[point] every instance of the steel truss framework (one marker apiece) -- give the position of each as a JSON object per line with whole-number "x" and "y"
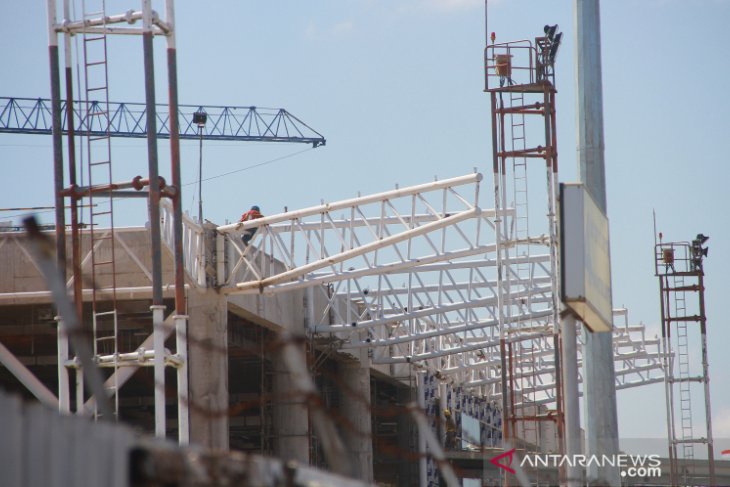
{"x": 411, "y": 275}
{"x": 252, "y": 124}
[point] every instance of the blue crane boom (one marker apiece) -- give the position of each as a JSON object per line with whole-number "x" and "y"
{"x": 251, "y": 124}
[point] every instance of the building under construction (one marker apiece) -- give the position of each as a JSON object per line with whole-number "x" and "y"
{"x": 406, "y": 337}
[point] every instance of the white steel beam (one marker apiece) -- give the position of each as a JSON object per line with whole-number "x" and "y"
{"x": 27, "y": 378}
{"x": 343, "y": 256}
{"x": 349, "y": 203}
{"x": 432, "y": 263}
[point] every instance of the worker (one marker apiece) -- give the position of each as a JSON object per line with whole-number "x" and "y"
{"x": 251, "y": 214}
{"x": 450, "y": 431}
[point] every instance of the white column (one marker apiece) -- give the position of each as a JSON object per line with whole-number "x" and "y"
{"x": 158, "y": 335}
{"x": 183, "y": 409}
{"x": 571, "y": 407}
{"x": 64, "y": 392}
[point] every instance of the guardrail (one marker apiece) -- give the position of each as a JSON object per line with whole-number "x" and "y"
{"x": 194, "y": 250}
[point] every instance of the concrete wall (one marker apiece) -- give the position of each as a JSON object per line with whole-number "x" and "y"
{"x": 18, "y": 274}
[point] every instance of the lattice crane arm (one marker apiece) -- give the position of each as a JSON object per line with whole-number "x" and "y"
{"x": 251, "y": 124}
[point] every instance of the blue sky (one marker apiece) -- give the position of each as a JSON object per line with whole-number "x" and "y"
{"x": 396, "y": 88}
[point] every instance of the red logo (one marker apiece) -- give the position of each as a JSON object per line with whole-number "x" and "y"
{"x": 507, "y": 466}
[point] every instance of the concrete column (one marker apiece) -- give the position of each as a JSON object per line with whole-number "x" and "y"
{"x": 355, "y": 407}
{"x": 290, "y": 416}
{"x": 208, "y": 368}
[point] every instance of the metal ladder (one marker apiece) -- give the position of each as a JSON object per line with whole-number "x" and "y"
{"x": 523, "y": 355}
{"x": 99, "y": 173}
{"x": 520, "y": 223}
{"x": 521, "y": 270}
{"x": 685, "y": 397}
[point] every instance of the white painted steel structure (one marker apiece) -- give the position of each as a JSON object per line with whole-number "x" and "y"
{"x": 411, "y": 275}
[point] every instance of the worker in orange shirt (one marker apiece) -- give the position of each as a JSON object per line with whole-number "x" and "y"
{"x": 251, "y": 214}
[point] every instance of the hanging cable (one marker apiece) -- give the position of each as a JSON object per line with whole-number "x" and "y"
{"x": 264, "y": 163}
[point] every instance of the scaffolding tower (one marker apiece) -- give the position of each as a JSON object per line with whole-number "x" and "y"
{"x": 94, "y": 26}
{"x": 679, "y": 267}
{"x": 519, "y": 77}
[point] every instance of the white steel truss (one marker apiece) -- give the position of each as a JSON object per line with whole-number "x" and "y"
{"x": 411, "y": 275}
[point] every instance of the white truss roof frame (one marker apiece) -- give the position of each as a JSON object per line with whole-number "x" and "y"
{"x": 418, "y": 285}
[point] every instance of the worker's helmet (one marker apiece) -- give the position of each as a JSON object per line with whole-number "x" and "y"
{"x": 255, "y": 208}
{"x": 447, "y": 413}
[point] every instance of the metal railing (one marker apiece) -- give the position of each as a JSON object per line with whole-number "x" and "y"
{"x": 195, "y": 256}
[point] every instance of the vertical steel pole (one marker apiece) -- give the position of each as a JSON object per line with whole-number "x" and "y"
{"x": 57, "y": 138}
{"x": 599, "y": 375}
{"x": 181, "y": 320}
{"x": 590, "y": 99}
{"x": 706, "y": 377}
{"x": 154, "y": 188}
{"x": 498, "y": 188}
{"x": 71, "y": 145}
{"x": 200, "y": 177}
{"x": 668, "y": 382}
{"x": 154, "y": 211}
{"x": 62, "y": 346}
{"x": 175, "y": 161}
